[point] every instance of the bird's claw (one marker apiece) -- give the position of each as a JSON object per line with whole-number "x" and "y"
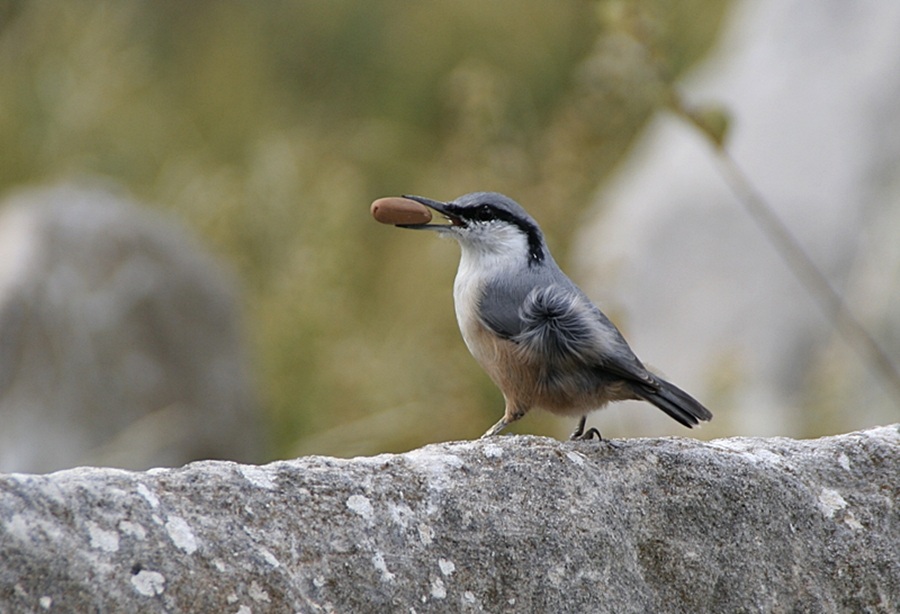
{"x": 587, "y": 435}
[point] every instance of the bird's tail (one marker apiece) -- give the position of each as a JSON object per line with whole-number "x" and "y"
{"x": 675, "y": 402}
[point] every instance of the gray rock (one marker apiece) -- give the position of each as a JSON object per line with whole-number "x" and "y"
{"x": 120, "y": 338}
{"x": 514, "y": 524}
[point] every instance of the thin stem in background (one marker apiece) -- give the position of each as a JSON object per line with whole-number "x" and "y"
{"x": 797, "y": 259}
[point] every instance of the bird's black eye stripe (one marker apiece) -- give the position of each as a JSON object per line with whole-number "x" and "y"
{"x": 487, "y": 212}
{"x": 484, "y": 213}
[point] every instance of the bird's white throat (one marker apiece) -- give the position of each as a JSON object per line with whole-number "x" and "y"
{"x": 487, "y": 252}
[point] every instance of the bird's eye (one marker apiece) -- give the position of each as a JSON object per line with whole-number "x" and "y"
{"x": 483, "y": 213}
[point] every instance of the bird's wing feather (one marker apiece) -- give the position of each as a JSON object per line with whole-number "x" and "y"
{"x": 560, "y": 324}
{"x": 620, "y": 359}
{"x": 499, "y": 306}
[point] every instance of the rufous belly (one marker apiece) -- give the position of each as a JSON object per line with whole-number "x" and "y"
{"x": 528, "y": 381}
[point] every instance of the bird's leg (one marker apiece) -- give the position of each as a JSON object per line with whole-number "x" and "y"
{"x": 579, "y": 430}
{"x": 581, "y": 435}
{"x": 501, "y": 424}
{"x": 509, "y": 416}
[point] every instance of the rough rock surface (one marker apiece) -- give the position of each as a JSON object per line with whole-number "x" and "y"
{"x": 514, "y": 524}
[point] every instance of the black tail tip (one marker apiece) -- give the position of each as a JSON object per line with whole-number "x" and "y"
{"x": 677, "y": 404}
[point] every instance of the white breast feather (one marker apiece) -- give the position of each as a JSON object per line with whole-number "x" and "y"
{"x": 484, "y": 258}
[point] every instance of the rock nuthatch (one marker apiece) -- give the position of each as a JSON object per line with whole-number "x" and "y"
{"x": 540, "y": 339}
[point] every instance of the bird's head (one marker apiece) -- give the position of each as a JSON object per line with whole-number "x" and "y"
{"x": 488, "y": 224}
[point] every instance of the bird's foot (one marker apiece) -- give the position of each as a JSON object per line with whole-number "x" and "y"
{"x": 579, "y": 434}
{"x": 587, "y": 435}
{"x": 508, "y": 418}
{"x": 502, "y": 424}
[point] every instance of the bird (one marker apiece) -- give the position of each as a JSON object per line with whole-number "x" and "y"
{"x": 538, "y": 336}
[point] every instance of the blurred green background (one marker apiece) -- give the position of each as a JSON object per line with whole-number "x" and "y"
{"x": 269, "y": 127}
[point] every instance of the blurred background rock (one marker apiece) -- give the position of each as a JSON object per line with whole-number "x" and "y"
{"x": 268, "y": 128}
{"x": 121, "y": 341}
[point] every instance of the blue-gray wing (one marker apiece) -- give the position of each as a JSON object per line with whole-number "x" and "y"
{"x": 499, "y": 307}
{"x": 572, "y": 340}
{"x": 562, "y": 327}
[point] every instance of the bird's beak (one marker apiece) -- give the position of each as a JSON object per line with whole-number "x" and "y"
{"x": 442, "y": 208}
